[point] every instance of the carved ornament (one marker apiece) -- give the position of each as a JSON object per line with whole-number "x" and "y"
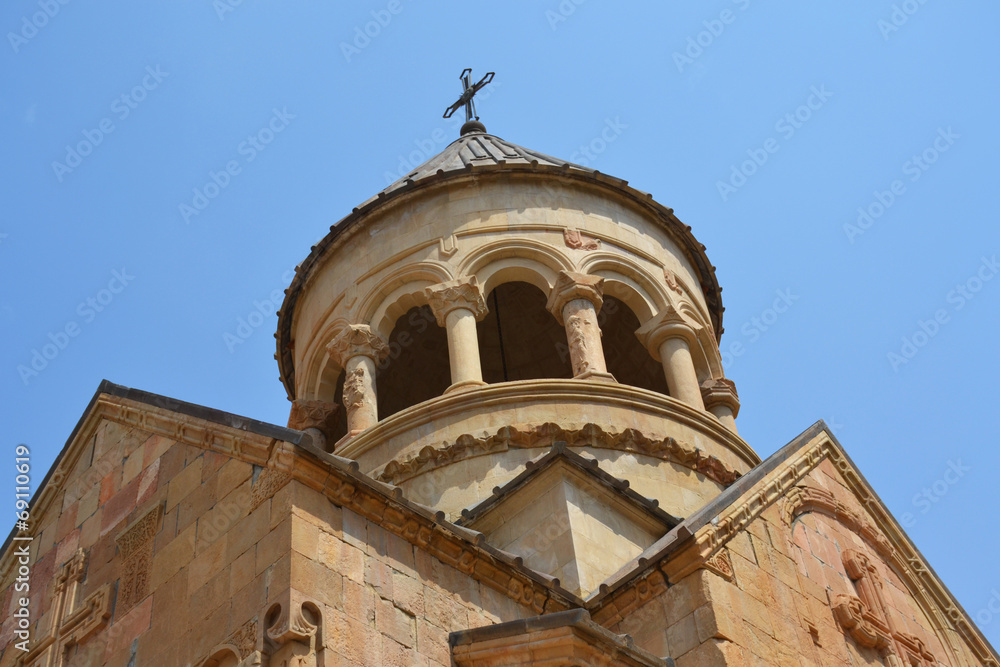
{"x": 868, "y": 618}
{"x": 574, "y": 239}
{"x": 266, "y": 485}
{"x": 313, "y": 414}
{"x": 135, "y": 544}
{"x": 721, "y": 564}
{"x": 590, "y": 435}
{"x": 462, "y": 293}
{"x": 72, "y": 623}
{"x": 671, "y": 279}
{"x": 357, "y": 340}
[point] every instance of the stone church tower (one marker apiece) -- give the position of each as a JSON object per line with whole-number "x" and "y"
{"x": 511, "y": 442}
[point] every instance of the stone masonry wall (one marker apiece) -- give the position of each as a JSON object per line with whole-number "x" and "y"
{"x": 195, "y": 546}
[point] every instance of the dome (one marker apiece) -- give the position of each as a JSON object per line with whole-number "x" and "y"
{"x": 478, "y": 154}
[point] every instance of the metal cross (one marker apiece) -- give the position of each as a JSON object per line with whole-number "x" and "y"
{"x": 468, "y": 92}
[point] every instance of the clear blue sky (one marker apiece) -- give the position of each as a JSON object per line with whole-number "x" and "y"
{"x": 695, "y": 90}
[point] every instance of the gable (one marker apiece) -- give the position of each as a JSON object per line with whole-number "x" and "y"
{"x": 798, "y": 561}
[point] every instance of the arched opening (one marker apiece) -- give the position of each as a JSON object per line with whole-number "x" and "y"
{"x": 519, "y": 339}
{"x": 417, "y": 366}
{"x": 626, "y": 357}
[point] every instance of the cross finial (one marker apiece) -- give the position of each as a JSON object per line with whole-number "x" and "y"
{"x": 469, "y": 91}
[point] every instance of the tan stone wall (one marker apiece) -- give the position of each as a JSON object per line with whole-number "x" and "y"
{"x": 777, "y": 606}
{"x": 232, "y": 539}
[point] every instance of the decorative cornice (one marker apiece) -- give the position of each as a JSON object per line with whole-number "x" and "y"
{"x": 569, "y": 286}
{"x": 524, "y": 436}
{"x": 461, "y": 293}
{"x": 357, "y": 340}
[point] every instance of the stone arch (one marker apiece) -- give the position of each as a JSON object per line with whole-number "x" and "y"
{"x": 628, "y": 282}
{"x": 319, "y": 371}
{"x": 808, "y": 499}
{"x": 398, "y": 292}
{"x": 519, "y": 259}
{"x": 224, "y": 655}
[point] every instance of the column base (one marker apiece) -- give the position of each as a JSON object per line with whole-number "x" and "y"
{"x": 462, "y": 386}
{"x": 596, "y": 376}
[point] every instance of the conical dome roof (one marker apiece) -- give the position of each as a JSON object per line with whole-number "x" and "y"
{"x": 474, "y": 149}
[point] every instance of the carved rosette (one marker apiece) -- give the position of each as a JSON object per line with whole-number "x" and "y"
{"x": 320, "y": 415}
{"x": 464, "y": 293}
{"x": 570, "y": 286}
{"x": 357, "y": 340}
{"x": 720, "y": 391}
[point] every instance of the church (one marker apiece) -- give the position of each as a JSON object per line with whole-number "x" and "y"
{"x": 510, "y": 442}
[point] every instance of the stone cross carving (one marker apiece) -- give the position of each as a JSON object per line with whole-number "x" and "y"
{"x": 135, "y": 545}
{"x": 868, "y": 619}
{"x": 72, "y": 623}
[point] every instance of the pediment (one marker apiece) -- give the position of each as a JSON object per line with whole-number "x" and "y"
{"x": 826, "y": 536}
{"x": 565, "y": 517}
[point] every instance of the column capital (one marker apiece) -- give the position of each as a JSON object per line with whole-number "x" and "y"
{"x": 461, "y": 293}
{"x": 668, "y": 323}
{"x": 357, "y": 340}
{"x": 720, "y": 391}
{"x": 570, "y": 285}
{"x": 320, "y": 415}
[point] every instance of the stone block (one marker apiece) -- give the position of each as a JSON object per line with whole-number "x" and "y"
{"x": 206, "y": 565}
{"x": 359, "y": 601}
{"x": 274, "y": 545}
{"x": 407, "y": 593}
{"x": 171, "y": 557}
{"x": 183, "y": 483}
{"x": 682, "y": 636}
{"x": 395, "y": 623}
{"x": 432, "y": 642}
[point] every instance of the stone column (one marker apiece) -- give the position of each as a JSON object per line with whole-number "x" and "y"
{"x": 317, "y": 418}
{"x": 575, "y": 301}
{"x": 721, "y": 400}
{"x": 458, "y": 305}
{"x": 357, "y": 349}
{"x": 669, "y": 337}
